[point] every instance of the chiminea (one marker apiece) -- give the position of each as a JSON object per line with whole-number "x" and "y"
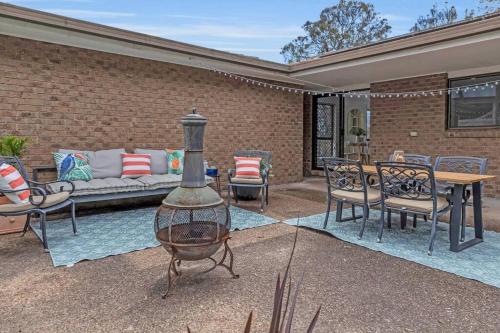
{"x": 193, "y": 222}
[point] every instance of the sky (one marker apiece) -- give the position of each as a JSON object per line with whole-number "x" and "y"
{"x": 257, "y": 28}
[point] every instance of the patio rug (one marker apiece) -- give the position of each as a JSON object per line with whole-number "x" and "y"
{"x": 119, "y": 232}
{"x": 480, "y": 262}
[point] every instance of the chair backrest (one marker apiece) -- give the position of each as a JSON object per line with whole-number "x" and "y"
{"x": 414, "y": 158}
{"x": 405, "y": 180}
{"x": 265, "y": 155}
{"x": 463, "y": 164}
{"x": 343, "y": 174}
{"x": 16, "y": 163}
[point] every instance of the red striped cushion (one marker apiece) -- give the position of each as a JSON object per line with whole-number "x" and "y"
{"x": 136, "y": 165}
{"x": 247, "y": 167}
{"x": 11, "y": 179}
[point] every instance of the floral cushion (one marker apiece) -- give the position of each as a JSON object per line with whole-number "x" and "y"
{"x": 175, "y": 160}
{"x": 73, "y": 167}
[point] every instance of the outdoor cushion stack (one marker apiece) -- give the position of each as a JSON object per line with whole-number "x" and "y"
{"x": 108, "y": 173}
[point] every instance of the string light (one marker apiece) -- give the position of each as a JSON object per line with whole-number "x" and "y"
{"x": 336, "y": 92}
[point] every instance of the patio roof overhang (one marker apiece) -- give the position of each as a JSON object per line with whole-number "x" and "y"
{"x": 467, "y": 48}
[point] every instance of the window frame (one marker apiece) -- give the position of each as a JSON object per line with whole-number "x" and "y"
{"x": 448, "y": 103}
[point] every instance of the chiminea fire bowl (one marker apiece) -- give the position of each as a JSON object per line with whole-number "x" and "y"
{"x": 190, "y": 234}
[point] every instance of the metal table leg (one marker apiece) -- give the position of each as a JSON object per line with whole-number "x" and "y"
{"x": 456, "y": 218}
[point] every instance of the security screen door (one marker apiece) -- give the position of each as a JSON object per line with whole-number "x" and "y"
{"x": 325, "y": 129}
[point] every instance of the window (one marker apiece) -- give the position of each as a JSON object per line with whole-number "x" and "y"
{"x": 474, "y": 107}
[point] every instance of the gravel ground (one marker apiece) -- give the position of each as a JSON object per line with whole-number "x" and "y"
{"x": 359, "y": 290}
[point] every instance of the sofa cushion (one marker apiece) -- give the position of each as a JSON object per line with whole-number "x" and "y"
{"x": 99, "y": 186}
{"x": 175, "y": 161}
{"x": 73, "y": 166}
{"x": 136, "y": 165}
{"x": 158, "y": 160}
{"x": 104, "y": 163}
{"x": 108, "y": 163}
{"x": 155, "y": 182}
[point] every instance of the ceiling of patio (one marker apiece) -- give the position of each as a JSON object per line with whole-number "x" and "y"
{"x": 455, "y": 57}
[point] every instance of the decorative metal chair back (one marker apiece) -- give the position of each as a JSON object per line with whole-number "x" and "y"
{"x": 463, "y": 164}
{"x": 16, "y": 163}
{"x": 265, "y": 155}
{"x": 343, "y": 174}
{"x": 411, "y": 181}
{"x": 414, "y": 158}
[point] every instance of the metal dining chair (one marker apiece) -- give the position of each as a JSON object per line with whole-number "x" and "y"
{"x": 410, "y": 188}
{"x": 409, "y": 158}
{"x": 40, "y": 202}
{"x": 346, "y": 183}
{"x": 413, "y": 158}
{"x": 462, "y": 164}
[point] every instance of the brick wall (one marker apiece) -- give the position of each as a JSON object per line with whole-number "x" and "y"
{"x": 68, "y": 97}
{"x": 392, "y": 119}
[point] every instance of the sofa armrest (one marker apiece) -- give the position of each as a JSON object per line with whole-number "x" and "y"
{"x": 42, "y": 169}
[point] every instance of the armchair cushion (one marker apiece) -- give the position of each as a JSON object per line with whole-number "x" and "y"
{"x": 51, "y": 200}
{"x": 11, "y": 180}
{"x": 248, "y": 167}
{"x": 242, "y": 180}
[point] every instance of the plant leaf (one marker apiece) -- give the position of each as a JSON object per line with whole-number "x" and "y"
{"x": 248, "y": 326}
{"x": 313, "y": 322}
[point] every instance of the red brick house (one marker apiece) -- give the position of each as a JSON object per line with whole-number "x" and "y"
{"x": 69, "y": 83}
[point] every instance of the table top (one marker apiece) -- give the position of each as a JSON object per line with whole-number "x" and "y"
{"x": 450, "y": 177}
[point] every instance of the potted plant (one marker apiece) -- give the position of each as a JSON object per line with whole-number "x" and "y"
{"x": 11, "y": 145}
{"x": 358, "y": 132}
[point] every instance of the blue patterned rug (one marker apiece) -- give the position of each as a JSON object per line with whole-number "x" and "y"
{"x": 480, "y": 262}
{"x": 119, "y": 232}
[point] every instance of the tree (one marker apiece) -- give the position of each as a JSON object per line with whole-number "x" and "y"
{"x": 439, "y": 16}
{"x": 347, "y": 24}
{"x": 489, "y": 6}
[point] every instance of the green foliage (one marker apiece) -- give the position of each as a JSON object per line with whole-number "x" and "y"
{"x": 489, "y": 6}
{"x": 349, "y": 23}
{"x": 357, "y": 131}
{"x": 11, "y": 145}
{"x": 446, "y": 15}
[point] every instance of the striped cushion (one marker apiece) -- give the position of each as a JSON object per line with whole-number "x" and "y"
{"x": 11, "y": 179}
{"x": 247, "y": 167}
{"x": 136, "y": 165}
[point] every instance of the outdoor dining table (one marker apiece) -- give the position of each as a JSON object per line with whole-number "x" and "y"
{"x": 459, "y": 181}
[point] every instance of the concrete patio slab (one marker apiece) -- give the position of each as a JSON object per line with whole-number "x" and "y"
{"x": 359, "y": 290}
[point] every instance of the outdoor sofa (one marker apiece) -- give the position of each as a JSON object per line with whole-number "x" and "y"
{"x": 107, "y": 183}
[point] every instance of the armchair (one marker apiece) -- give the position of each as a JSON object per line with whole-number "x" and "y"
{"x": 262, "y": 184}
{"x": 40, "y": 202}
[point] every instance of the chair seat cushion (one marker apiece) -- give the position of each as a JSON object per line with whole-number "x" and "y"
{"x": 373, "y": 196}
{"x": 51, "y": 200}
{"x": 424, "y": 206}
{"x": 241, "y": 180}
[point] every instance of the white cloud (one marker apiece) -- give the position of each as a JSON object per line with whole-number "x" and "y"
{"x": 214, "y": 30}
{"x": 87, "y": 14}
